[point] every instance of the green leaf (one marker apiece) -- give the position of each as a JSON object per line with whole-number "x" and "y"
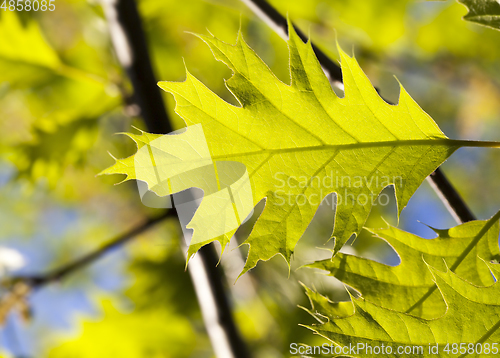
{"x": 25, "y": 44}
{"x": 472, "y": 316}
{"x": 27, "y": 58}
{"x": 300, "y": 142}
{"x": 136, "y": 334}
{"x": 408, "y": 287}
{"x": 25, "y": 55}
{"x": 483, "y": 12}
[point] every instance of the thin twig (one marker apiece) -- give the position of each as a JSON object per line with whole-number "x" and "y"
{"x": 61, "y": 272}
{"x": 445, "y": 190}
{"x": 23, "y": 286}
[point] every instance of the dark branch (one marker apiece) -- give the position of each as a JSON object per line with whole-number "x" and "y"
{"x": 445, "y": 190}
{"x": 279, "y": 24}
{"x": 452, "y": 199}
{"x": 131, "y": 49}
{"x": 130, "y": 45}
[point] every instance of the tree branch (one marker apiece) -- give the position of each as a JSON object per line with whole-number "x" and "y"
{"x": 22, "y": 286}
{"x": 61, "y": 272}
{"x": 450, "y": 197}
{"x": 438, "y": 181}
{"x": 130, "y": 46}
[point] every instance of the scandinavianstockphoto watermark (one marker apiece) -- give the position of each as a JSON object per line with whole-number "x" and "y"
{"x": 343, "y": 185}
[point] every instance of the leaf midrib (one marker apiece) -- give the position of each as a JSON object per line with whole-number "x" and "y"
{"x": 350, "y": 146}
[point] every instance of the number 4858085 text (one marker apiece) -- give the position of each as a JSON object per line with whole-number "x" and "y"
{"x": 28, "y": 5}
